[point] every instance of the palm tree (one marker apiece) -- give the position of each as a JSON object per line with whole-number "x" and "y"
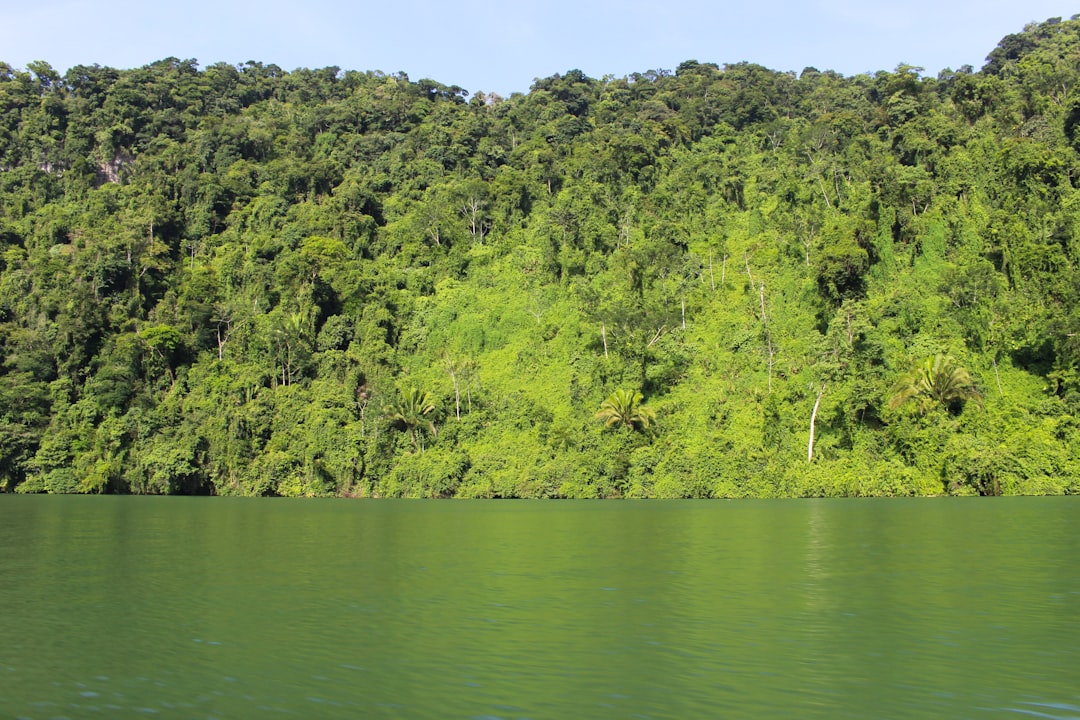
{"x": 938, "y": 380}
{"x": 623, "y": 408}
{"x": 411, "y": 412}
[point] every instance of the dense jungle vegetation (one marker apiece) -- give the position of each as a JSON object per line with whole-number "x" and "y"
{"x": 717, "y": 281}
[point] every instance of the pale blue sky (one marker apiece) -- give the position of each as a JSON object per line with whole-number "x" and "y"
{"x": 503, "y": 46}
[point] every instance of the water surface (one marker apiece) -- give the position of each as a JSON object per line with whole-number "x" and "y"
{"x": 225, "y": 608}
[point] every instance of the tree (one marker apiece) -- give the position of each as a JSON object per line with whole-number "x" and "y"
{"x": 474, "y": 205}
{"x": 245, "y": 258}
{"x": 164, "y": 343}
{"x": 458, "y": 368}
{"x": 410, "y": 413}
{"x": 623, "y": 408}
{"x": 937, "y": 381}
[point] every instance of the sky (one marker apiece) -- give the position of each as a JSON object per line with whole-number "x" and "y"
{"x": 502, "y": 46}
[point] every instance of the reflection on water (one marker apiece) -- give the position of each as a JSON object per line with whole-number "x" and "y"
{"x": 1055, "y": 711}
{"x": 209, "y": 607}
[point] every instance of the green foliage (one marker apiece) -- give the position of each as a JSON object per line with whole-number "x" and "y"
{"x": 432, "y": 474}
{"x": 936, "y": 382}
{"x": 410, "y": 414}
{"x": 234, "y": 280}
{"x": 623, "y": 408}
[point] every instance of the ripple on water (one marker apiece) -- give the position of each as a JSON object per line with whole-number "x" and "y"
{"x": 812, "y": 610}
{"x": 1049, "y": 710}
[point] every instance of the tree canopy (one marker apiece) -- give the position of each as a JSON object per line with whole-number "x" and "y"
{"x": 216, "y": 280}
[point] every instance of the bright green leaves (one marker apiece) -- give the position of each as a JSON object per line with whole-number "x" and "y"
{"x": 935, "y": 382}
{"x": 843, "y": 262}
{"x": 624, "y": 409}
{"x": 217, "y": 280}
{"x": 163, "y": 345}
{"x": 411, "y": 413}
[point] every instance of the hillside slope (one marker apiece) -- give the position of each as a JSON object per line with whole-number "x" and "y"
{"x": 241, "y": 280}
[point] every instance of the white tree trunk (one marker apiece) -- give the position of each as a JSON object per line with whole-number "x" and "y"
{"x": 813, "y": 419}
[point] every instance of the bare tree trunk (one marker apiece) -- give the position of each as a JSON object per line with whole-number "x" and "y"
{"x": 535, "y": 311}
{"x": 821, "y": 184}
{"x": 808, "y": 241}
{"x": 457, "y": 394}
{"x": 712, "y": 278}
{"x": 452, "y": 369}
{"x": 473, "y": 209}
{"x": 813, "y": 420}
{"x": 603, "y": 336}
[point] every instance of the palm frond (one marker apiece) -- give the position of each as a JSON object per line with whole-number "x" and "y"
{"x": 936, "y": 381}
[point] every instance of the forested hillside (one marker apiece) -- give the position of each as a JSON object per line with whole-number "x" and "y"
{"x": 717, "y": 281}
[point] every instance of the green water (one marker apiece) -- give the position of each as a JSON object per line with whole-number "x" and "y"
{"x": 218, "y": 608}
